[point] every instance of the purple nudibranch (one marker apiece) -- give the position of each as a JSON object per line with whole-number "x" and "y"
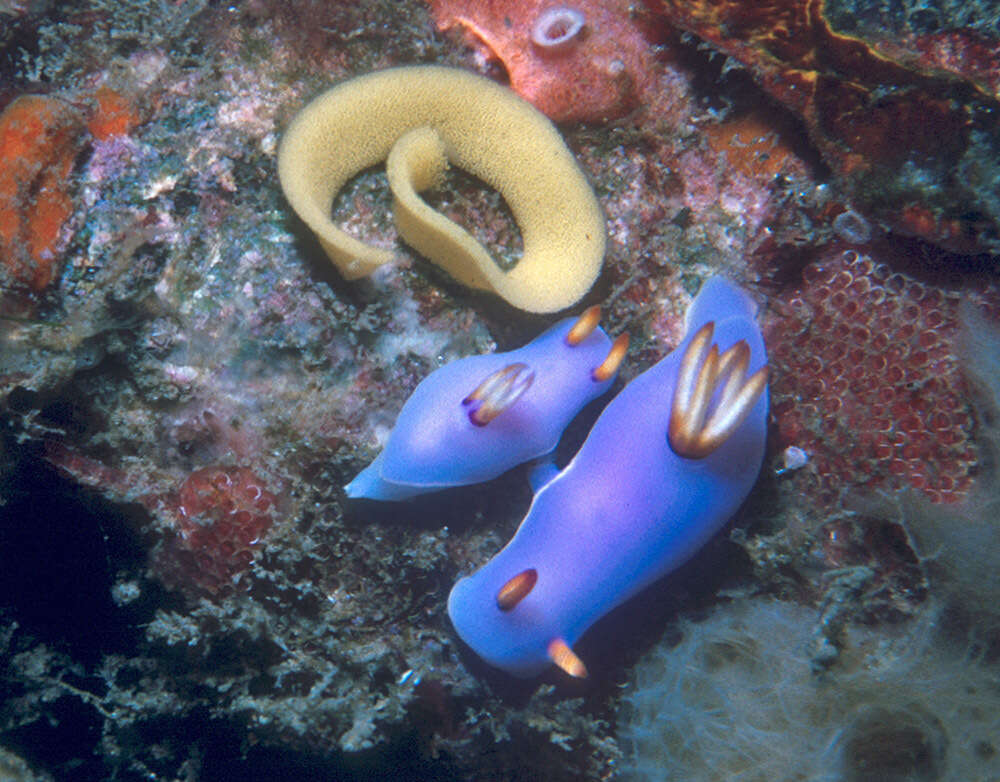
{"x": 475, "y": 418}
{"x": 665, "y": 466}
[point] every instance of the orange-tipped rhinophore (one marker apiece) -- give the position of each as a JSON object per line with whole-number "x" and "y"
{"x": 616, "y": 355}
{"x": 586, "y": 323}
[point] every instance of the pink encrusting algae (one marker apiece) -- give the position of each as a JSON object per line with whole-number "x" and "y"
{"x": 581, "y": 61}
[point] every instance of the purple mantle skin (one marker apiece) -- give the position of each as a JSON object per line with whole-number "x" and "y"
{"x": 434, "y": 445}
{"x": 624, "y": 512}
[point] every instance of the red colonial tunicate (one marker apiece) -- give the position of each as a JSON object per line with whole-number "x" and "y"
{"x": 223, "y": 514}
{"x": 871, "y": 351}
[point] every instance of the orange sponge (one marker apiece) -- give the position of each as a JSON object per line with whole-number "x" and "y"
{"x": 38, "y": 143}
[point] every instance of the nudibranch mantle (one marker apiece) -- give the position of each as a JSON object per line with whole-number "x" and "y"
{"x": 624, "y": 512}
{"x": 435, "y": 444}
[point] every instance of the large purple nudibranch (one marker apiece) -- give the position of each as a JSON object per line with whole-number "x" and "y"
{"x": 666, "y": 465}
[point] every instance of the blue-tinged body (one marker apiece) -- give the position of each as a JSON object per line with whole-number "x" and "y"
{"x": 624, "y": 512}
{"x": 434, "y": 444}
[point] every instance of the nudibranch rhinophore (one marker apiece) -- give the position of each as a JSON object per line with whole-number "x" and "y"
{"x": 475, "y": 418}
{"x": 421, "y": 118}
{"x": 666, "y": 465}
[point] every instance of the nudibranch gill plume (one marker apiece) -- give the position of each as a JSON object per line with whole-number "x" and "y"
{"x": 665, "y": 466}
{"x": 475, "y": 418}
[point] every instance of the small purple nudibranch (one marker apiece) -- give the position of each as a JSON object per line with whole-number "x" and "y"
{"x": 475, "y": 418}
{"x": 665, "y": 466}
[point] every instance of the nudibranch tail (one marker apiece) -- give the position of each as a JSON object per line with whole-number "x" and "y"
{"x": 515, "y": 590}
{"x": 565, "y": 658}
{"x": 584, "y": 325}
{"x": 607, "y": 368}
{"x": 697, "y": 427}
{"x": 498, "y": 392}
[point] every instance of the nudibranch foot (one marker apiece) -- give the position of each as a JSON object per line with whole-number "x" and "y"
{"x": 520, "y": 403}
{"x": 369, "y": 484}
{"x": 630, "y": 506}
{"x": 542, "y": 471}
{"x": 423, "y": 118}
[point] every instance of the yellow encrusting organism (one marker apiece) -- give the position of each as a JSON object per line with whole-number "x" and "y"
{"x": 421, "y": 118}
